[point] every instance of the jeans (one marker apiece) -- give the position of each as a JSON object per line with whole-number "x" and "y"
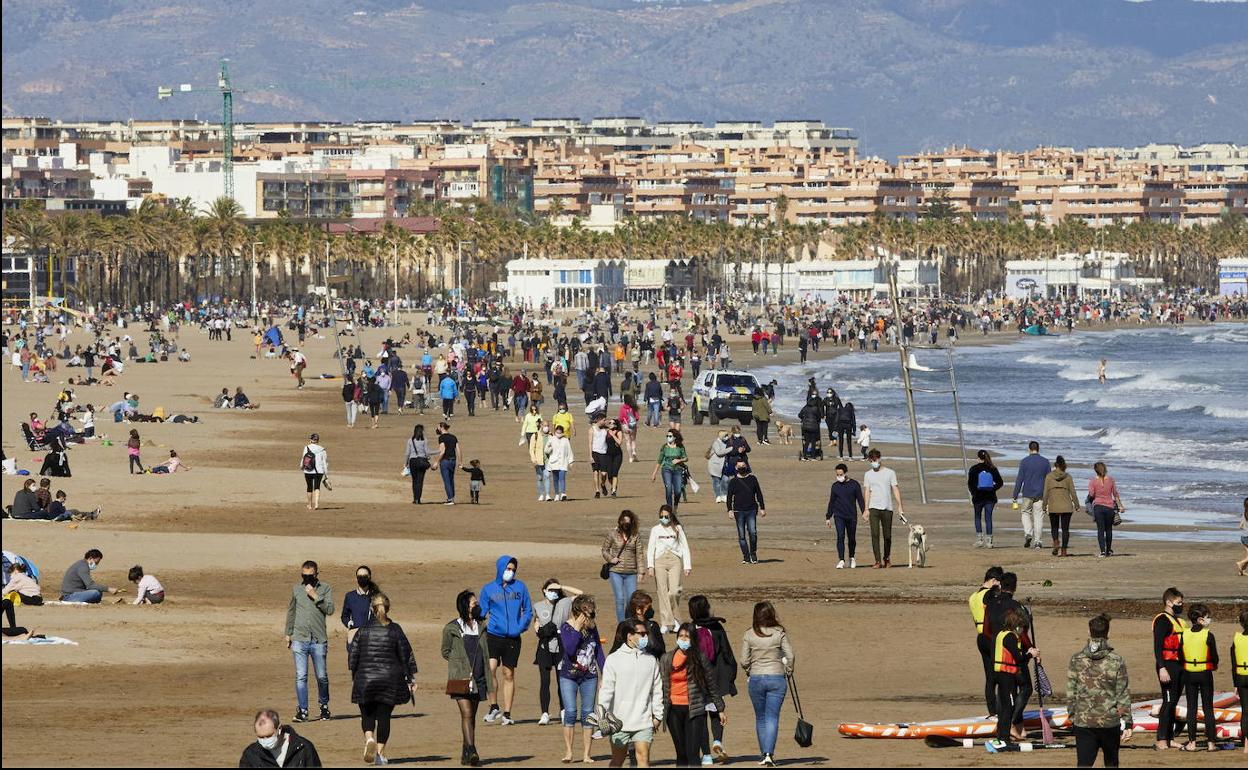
{"x": 767, "y": 693}
{"x": 1104, "y": 516}
{"x": 747, "y": 532}
{"x": 622, "y": 585}
{"x": 385, "y": 401}
{"x": 519, "y": 402}
{"x": 673, "y": 485}
{"x": 559, "y": 482}
{"x": 653, "y": 411}
{"x": 720, "y": 486}
{"x": 90, "y": 597}
{"x": 568, "y": 690}
{"x": 846, "y": 528}
{"x": 543, "y": 480}
{"x": 317, "y": 651}
{"x": 983, "y": 509}
{"x": 447, "y": 469}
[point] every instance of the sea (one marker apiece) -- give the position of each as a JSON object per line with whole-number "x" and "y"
{"x": 1171, "y": 421}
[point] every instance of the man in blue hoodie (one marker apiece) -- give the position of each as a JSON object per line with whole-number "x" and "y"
{"x": 1029, "y": 484}
{"x": 505, "y": 603}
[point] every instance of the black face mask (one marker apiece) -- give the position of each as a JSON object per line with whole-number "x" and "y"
{"x": 1178, "y": 610}
{"x": 309, "y": 580}
{"x": 475, "y": 613}
{"x": 650, "y": 613}
{"x": 362, "y": 581}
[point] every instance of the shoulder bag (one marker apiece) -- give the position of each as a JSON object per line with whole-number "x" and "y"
{"x": 464, "y": 687}
{"x": 605, "y": 572}
{"x": 422, "y": 461}
{"x": 804, "y": 735}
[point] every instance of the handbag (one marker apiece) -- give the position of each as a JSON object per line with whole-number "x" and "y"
{"x": 460, "y": 687}
{"x": 804, "y": 734}
{"x": 605, "y": 572}
{"x": 422, "y": 462}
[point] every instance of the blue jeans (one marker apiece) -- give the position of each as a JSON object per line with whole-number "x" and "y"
{"x": 846, "y": 528}
{"x": 673, "y": 485}
{"x": 90, "y": 597}
{"x": 719, "y": 484}
{"x": 559, "y": 482}
{"x": 747, "y": 532}
{"x": 385, "y": 401}
{"x": 543, "y": 481}
{"x": 654, "y": 410}
{"x": 447, "y": 469}
{"x": 568, "y": 690}
{"x": 1104, "y": 517}
{"x": 767, "y": 693}
{"x": 622, "y": 585}
{"x": 520, "y": 401}
{"x": 317, "y": 651}
{"x": 986, "y": 509}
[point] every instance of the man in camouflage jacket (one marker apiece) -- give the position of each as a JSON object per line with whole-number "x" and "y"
{"x": 1098, "y": 697}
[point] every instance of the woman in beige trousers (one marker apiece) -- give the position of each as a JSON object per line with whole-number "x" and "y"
{"x": 668, "y": 559}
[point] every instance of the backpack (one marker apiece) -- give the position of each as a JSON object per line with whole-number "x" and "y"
{"x": 985, "y": 480}
{"x": 309, "y": 461}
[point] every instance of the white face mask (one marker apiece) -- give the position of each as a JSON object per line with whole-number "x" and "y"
{"x": 271, "y": 742}
{"x": 839, "y": 477}
{"x": 875, "y": 465}
{"x": 552, "y": 596}
{"x": 508, "y": 575}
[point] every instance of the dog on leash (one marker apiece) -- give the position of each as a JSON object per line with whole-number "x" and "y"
{"x": 784, "y": 431}
{"x": 917, "y": 545}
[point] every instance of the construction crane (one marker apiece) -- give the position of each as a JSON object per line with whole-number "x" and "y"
{"x": 227, "y": 118}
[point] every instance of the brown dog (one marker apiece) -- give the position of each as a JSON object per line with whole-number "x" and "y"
{"x": 784, "y": 431}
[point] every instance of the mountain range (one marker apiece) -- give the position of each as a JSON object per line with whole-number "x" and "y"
{"x": 907, "y": 75}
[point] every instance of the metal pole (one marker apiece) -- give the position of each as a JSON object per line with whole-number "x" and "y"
{"x": 459, "y": 275}
{"x": 253, "y": 280}
{"x": 395, "y": 308}
{"x": 905, "y": 379}
{"x": 957, "y": 415}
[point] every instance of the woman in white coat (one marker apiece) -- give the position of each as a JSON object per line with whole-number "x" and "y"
{"x": 558, "y": 460}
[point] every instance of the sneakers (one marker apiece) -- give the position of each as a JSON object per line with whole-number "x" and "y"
{"x": 380, "y": 759}
{"x": 493, "y": 716}
{"x": 988, "y": 541}
{"x": 707, "y": 760}
{"x": 541, "y": 498}
{"x": 979, "y": 541}
{"x": 840, "y": 564}
{"x": 507, "y": 720}
{"x": 1037, "y": 544}
{"x": 753, "y": 560}
{"x": 325, "y": 713}
{"x": 853, "y": 563}
{"x": 1027, "y": 541}
{"x": 370, "y": 750}
{"x": 301, "y": 715}
{"x": 717, "y": 752}
{"x": 767, "y": 761}
{"x": 545, "y": 719}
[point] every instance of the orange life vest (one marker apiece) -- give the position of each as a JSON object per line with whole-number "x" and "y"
{"x": 1003, "y": 659}
{"x": 1174, "y": 640}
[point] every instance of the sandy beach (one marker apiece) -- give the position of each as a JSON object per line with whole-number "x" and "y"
{"x": 177, "y": 684}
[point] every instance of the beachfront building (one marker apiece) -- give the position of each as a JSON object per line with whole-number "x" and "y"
{"x": 1233, "y": 277}
{"x": 865, "y": 279}
{"x": 565, "y": 283}
{"x": 657, "y": 280}
{"x": 1095, "y": 274}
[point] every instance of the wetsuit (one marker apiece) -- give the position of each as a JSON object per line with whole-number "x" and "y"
{"x": 1200, "y": 660}
{"x": 1239, "y": 677}
{"x": 1166, "y": 654}
{"x": 1010, "y": 675}
{"x": 997, "y": 604}
{"x": 978, "y": 602}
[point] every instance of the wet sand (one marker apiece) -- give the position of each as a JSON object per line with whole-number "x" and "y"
{"x": 177, "y": 683}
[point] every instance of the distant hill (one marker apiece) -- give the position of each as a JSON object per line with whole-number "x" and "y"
{"x": 908, "y": 74}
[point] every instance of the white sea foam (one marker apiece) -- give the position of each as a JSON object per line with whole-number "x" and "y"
{"x": 1147, "y": 449}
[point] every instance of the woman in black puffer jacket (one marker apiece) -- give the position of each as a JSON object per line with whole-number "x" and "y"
{"x": 383, "y": 668}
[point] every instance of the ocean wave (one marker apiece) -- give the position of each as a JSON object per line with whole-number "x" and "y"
{"x": 1151, "y": 450}
{"x": 1044, "y": 427}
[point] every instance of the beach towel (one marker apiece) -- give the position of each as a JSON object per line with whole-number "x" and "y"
{"x": 45, "y": 640}
{"x": 70, "y": 604}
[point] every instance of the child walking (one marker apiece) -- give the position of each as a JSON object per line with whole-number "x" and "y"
{"x": 132, "y": 448}
{"x": 476, "y": 479}
{"x": 864, "y": 440}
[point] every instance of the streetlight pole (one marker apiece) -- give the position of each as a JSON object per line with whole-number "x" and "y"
{"x": 254, "y": 244}
{"x": 395, "y": 246}
{"x": 762, "y": 281}
{"x": 459, "y": 272}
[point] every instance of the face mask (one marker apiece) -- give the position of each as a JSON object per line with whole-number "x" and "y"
{"x": 671, "y": 439}
{"x": 91, "y": 565}
{"x": 663, "y": 520}
{"x": 1178, "y": 610}
{"x": 508, "y": 575}
{"x": 875, "y": 465}
{"x": 642, "y": 641}
{"x": 363, "y": 581}
{"x": 309, "y": 580}
{"x": 683, "y": 644}
{"x": 475, "y": 612}
{"x": 545, "y": 430}
{"x": 552, "y": 596}
{"x": 839, "y": 477}
{"x": 271, "y": 742}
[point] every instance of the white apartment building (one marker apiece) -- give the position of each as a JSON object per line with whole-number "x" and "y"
{"x": 565, "y": 283}
{"x": 1233, "y": 277}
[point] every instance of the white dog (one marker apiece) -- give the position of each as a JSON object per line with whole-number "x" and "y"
{"x": 917, "y": 546}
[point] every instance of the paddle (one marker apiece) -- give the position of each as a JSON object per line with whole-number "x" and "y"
{"x": 1043, "y": 686}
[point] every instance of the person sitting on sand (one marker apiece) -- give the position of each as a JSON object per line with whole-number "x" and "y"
{"x": 172, "y": 465}
{"x": 14, "y": 630}
{"x": 149, "y": 589}
{"x": 58, "y": 512}
{"x": 223, "y": 400}
{"x": 79, "y": 583}
{"x": 241, "y": 401}
{"x": 22, "y": 584}
{"x": 184, "y": 357}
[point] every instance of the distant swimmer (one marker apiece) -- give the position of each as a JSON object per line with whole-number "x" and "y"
{"x": 1100, "y": 371}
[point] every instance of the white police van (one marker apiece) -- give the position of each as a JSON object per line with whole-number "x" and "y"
{"x": 724, "y": 395}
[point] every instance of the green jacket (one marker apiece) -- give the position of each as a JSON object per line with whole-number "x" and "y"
{"x": 669, "y": 453}
{"x": 1097, "y": 691}
{"x": 305, "y": 618}
{"x": 458, "y": 665}
{"x": 761, "y": 409}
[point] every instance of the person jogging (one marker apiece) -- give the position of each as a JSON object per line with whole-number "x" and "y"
{"x": 631, "y": 689}
{"x": 983, "y": 480}
{"x": 315, "y": 466}
{"x": 383, "y": 675}
{"x": 1099, "y": 697}
{"x": 845, "y": 504}
{"x": 508, "y": 611}
{"x": 979, "y": 606}
{"x": 1168, "y": 628}
{"x": 882, "y": 491}
{"x": 745, "y": 505}
{"x": 1029, "y": 488}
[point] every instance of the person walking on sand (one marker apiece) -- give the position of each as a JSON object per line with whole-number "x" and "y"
{"x": 630, "y": 688}
{"x": 1060, "y": 500}
{"x": 465, "y": 648}
{"x": 881, "y": 492}
{"x": 1242, "y": 564}
{"x": 669, "y": 561}
{"x": 672, "y": 461}
{"x": 133, "y": 446}
{"x": 621, "y": 558}
{"x": 689, "y": 686}
{"x": 1106, "y": 506}
{"x": 745, "y": 505}
{"x": 506, "y": 605}
{"x": 311, "y": 601}
{"x": 1029, "y": 486}
{"x": 1098, "y": 697}
{"x": 383, "y": 675}
{"x": 983, "y": 480}
{"x": 559, "y": 459}
{"x": 315, "y": 466}
{"x": 767, "y": 658}
{"x": 581, "y": 661}
{"x": 845, "y": 504}
{"x": 448, "y": 455}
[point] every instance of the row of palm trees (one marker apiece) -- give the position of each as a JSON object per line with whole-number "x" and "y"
{"x": 167, "y": 251}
